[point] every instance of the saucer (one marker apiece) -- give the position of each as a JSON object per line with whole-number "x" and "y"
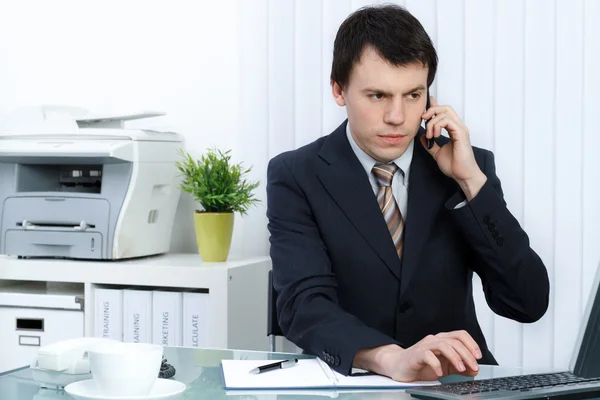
{"x": 88, "y": 390}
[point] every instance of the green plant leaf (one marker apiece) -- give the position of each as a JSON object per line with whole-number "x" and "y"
{"x": 216, "y": 183}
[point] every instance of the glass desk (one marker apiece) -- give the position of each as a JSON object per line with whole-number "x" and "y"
{"x": 200, "y": 370}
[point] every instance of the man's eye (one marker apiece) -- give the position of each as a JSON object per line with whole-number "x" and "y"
{"x": 414, "y": 96}
{"x": 377, "y": 96}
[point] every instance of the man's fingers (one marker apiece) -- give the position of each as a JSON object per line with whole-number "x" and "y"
{"x": 435, "y": 115}
{"x": 455, "y": 130}
{"x": 431, "y": 126}
{"x": 430, "y": 112}
{"x": 465, "y": 354}
{"x": 430, "y": 359}
{"x": 470, "y": 343}
{"x": 442, "y": 349}
{"x": 436, "y": 109}
{"x": 469, "y": 372}
{"x": 442, "y": 122}
{"x": 450, "y": 347}
{"x": 433, "y": 150}
{"x": 466, "y": 339}
{"x": 428, "y": 130}
{"x": 449, "y": 352}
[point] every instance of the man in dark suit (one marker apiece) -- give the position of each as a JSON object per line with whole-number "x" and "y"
{"x": 375, "y": 237}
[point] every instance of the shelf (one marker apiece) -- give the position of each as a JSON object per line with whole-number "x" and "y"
{"x": 43, "y": 295}
{"x": 169, "y": 270}
{"x": 237, "y": 289}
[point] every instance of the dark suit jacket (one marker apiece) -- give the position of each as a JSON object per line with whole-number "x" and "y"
{"x": 342, "y": 287}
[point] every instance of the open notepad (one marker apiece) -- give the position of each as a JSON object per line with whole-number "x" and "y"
{"x": 306, "y": 374}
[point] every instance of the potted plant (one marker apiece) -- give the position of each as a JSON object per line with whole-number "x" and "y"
{"x": 221, "y": 188}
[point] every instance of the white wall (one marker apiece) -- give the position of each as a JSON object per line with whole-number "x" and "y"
{"x": 252, "y": 75}
{"x": 180, "y": 57}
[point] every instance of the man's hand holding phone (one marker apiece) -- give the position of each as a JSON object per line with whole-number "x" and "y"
{"x": 429, "y": 359}
{"x": 455, "y": 159}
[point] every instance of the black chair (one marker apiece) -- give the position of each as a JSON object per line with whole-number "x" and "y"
{"x": 273, "y": 328}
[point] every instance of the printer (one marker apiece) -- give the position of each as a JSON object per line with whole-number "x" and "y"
{"x": 78, "y": 185}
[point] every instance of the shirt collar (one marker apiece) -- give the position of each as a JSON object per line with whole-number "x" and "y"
{"x": 403, "y": 162}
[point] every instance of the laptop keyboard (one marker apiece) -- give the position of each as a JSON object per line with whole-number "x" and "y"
{"x": 506, "y": 386}
{"x": 521, "y": 383}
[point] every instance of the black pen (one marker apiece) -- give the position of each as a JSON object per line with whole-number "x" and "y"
{"x": 275, "y": 365}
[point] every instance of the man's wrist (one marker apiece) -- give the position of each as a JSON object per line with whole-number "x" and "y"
{"x": 376, "y": 359}
{"x": 471, "y": 187}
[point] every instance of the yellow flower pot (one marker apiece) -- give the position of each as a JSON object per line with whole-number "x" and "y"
{"x": 213, "y": 235}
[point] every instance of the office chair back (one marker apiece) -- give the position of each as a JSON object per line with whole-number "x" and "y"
{"x": 273, "y": 328}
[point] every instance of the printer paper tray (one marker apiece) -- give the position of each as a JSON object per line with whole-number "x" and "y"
{"x": 39, "y": 243}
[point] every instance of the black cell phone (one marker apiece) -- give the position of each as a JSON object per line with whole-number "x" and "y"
{"x": 429, "y": 141}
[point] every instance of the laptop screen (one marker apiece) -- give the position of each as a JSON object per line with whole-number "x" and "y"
{"x": 585, "y": 361}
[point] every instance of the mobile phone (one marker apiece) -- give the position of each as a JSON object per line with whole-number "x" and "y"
{"x": 429, "y": 141}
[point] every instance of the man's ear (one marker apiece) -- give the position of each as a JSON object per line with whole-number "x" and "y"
{"x": 338, "y": 94}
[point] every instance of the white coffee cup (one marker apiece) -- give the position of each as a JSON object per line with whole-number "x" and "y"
{"x": 125, "y": 369}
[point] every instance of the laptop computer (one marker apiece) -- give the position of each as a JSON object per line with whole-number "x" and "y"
{"x": 581, "y": 381}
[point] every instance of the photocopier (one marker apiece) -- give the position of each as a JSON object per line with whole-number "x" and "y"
{"x": 78, "y": 185}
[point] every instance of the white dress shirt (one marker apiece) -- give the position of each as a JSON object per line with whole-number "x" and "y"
{"x": 400, "y": 180}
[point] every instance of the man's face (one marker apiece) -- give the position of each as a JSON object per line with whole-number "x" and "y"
{"x": 384, "y": 104}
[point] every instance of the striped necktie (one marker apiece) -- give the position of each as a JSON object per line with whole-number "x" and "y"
{"x": 387, "y": 203}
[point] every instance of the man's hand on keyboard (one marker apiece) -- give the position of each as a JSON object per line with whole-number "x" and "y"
{"x": 429, "y": 359}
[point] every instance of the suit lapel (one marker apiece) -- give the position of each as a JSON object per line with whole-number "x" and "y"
{"x": 344, "y": 178}
{"x": 427, "y": 192}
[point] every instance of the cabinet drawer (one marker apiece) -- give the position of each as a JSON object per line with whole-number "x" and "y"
{"x": 24, "y": 330}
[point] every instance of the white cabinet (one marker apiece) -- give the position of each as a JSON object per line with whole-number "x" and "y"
{"x": 36, "y": 314}
{"x": 237, "y": 294}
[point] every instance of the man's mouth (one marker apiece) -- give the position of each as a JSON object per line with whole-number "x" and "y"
{"x": 392, "y": 139}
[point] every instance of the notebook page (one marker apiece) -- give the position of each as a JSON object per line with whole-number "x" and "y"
{"x": 307, "y": 393}
{"x": 306, "y": 374}
{"x": 375, "y": 381}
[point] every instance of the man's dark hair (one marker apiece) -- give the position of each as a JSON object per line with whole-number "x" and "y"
{"x": 389, "y": 29}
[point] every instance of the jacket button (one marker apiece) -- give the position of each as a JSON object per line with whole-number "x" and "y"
{"x": 500, "y": 241}
{"x": 491, "y": 227}
{"x": 336, "y": 361}
{"x": 403, "y": 307}
{"x": 495, "y": 235}
{"x": 487, "y": 219}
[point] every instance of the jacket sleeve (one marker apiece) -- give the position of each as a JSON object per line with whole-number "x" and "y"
{"x": 514, "y": 278}
{"x": 307, "y": 305}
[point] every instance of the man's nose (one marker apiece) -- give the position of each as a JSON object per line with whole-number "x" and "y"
{"x": 395, "y": 114}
